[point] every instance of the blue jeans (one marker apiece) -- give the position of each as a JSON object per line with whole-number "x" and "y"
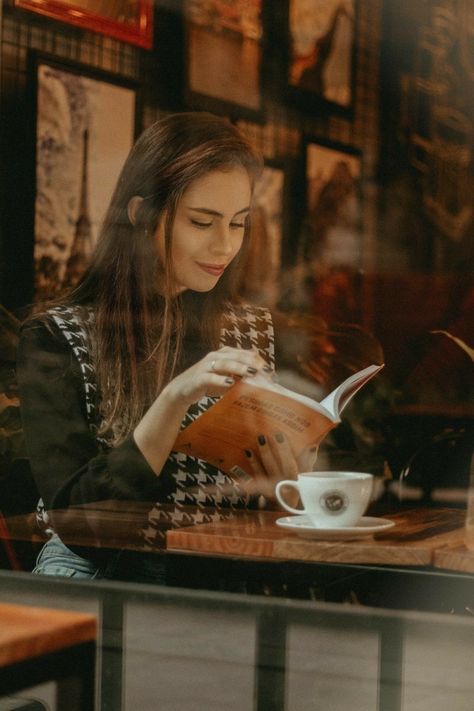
{"x": 55, "y": 558}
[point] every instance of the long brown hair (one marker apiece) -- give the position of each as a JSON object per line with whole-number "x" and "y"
{"x": 139, "y": 323}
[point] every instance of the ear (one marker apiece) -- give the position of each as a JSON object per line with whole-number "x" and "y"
{"x": 132, "y": 208}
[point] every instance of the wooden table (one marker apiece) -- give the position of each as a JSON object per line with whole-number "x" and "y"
{"x": 115, "y": 525}
{"x": 413, "y": 541}
{"x": 454, "y": 557}
{"x": 400, "y": 568}
{"x": 253, "y": 538}
{"x": 422, "y": 537}
{"x": 39, "y": 645}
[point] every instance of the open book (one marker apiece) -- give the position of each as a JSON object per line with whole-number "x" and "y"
{"x": 255, "y": 406}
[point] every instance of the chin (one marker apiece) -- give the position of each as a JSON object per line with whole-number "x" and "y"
{"x": 203, "y": 285}
{"x": 202, "y": 289}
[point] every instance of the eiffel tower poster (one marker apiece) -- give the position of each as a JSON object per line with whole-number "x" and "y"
{"x": 85, "y": 129}
{"x": 82, "y": 245}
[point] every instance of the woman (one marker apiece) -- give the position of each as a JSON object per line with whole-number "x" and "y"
{"x": 148, "y": 339}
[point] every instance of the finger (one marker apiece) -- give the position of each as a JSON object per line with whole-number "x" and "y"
{"x": 270, "y": 459}
{"x": 230, "y": 366}
{"x": 240, "y": 367}
{"x": 289, "y": 464}
{"x": 280, "y": 463}
{"x": 248, "y": 357}
{"x": 211, "y": 384}
{"x": 254, "y": 464}
{"x": 259, "y": 483}
{"x": 307, "y": 460}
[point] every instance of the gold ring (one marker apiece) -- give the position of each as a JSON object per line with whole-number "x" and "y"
{"x": 213, "y": 365}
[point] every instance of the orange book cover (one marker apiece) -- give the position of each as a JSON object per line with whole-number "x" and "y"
{"x": 256, "y": 406}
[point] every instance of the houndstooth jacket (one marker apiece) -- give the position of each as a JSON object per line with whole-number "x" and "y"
{"x": 195, "y": 491}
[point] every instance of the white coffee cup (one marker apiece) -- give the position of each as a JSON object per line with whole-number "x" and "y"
{"x": 330, "y": 499}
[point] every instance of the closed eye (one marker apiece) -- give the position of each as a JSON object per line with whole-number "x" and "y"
{"x": 199, "y": 223}
{"x": 237, "y": 225}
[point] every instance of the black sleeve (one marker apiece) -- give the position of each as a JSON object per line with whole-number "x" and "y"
{"x": 66, "y": 461}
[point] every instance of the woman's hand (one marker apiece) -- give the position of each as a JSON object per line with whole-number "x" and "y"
{"x": 214, "y": 375}
{"x": 272, "y": 460}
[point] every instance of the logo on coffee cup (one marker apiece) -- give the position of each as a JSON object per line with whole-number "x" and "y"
{"x": 334, "y": 501}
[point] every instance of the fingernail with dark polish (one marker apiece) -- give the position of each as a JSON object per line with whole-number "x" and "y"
{"x": 251, "y": 370}
{"x": 279, "y": 437}
{"x": 229, "y": 381}
{"x": 248, "y": 453}
{"x": 261, "y": 439}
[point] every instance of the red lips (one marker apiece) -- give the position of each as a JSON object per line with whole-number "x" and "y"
{"x": 214, "y": 269}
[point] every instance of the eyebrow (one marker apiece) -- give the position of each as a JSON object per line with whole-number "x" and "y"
{"x": 215, "y": 213}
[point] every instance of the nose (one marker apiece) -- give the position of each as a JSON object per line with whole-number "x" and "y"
{"x": 222, "y": 242}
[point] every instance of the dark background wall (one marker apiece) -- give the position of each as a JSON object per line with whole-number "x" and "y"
{"x": 413, "y": 89}
{"x": 160, "y": 73}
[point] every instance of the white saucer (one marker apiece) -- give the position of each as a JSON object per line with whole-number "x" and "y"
{"x": 303, "y": 527}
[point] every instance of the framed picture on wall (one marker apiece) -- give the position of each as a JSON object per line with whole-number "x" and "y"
{"x": 331, "y": 241}
{"x": 321, "y": 53}
{"x": 260, "y": 271}
{"x": 223, "y": 57}
{"x": 78, "y": 159}
{"x": 127, "y": 21}
{"x": 333, "y": 234}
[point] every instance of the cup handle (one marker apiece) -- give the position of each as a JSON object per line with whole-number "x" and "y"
{"x": 287, "y": 482}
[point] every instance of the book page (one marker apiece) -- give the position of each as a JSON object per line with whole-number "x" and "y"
{"x": 336, "y": 401}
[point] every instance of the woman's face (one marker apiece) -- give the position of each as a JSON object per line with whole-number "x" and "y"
{"x": 208, "y": 228}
